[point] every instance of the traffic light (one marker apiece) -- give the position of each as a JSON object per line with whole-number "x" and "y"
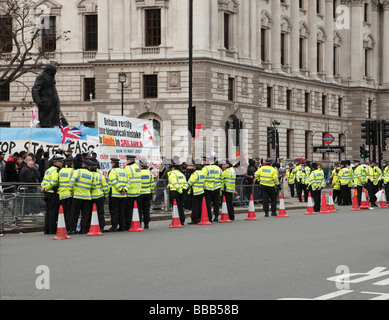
{"x": 362, "y": 152}
{"x": 271, "y": 138}
{"x": 385, "y": 134}
{"x": 366, "y": 132}
{"x": 192, "y": 121}
{"x": 374, "y": 133}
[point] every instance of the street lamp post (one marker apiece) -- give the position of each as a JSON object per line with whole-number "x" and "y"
{"x": 122, "y": 80}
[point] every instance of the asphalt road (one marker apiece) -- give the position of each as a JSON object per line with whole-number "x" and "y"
{"x": 268, "y": 259}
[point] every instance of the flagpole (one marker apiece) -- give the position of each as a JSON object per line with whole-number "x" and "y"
{"x": 60, "y": 122}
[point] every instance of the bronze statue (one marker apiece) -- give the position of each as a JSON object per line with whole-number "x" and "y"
{"x": 44, "y": 94}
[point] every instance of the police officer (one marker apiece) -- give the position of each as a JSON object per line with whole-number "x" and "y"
{"x": 228, "y": 187}
{"x": 146, "y": 192}
{"x": 385, "y": 178}
{"x": 212, "y": 187}
{"x": 134, "y": 177}
{"x": 81, "y": 185}
{"x": 178, "y": 187}
{"x": 302, "y": 175}
{"x": 359, "y": 179}
{"x": 335, "y": 181}
{"x": 374, "y": 176}
{"x": 291, "y": 178}
{"x": 49, "y": 186}
{"x": 270, "y": 184}
{"x": 196, "y": 187}
{"x": 344, "y": 175}
{"x": 99, "y": 193}
{"x": 118, "y": 186}
{"x": 316, "y": 183}
{"x": 65, "y": 196}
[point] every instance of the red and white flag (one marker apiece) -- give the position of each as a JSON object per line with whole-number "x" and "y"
{"x": 34, "y": 119}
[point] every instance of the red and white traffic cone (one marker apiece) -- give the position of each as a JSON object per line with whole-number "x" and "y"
{"x": 224, "y": 218}
{"x": 383, "y": 204}
{"x": 324, "y": 206}
{"x": 176, "y": 222}
{"x": 204, "y": 215}
{"x": 355, "y": 206}
{"x": 364, "y": 201}
{"x": 310, "y": 210}
{"x": 251, "y": 216}
{"x": 61, "y": 227}
{"x": 135, "y": 225}
{"x": 282, "y": 212}
{"x": 331, "y": 205}
{"x": 94, "y": 229}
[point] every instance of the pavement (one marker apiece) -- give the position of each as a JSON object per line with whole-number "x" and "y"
{"x": 27, "y": 224}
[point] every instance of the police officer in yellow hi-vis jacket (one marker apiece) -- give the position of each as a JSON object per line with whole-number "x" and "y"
{"x": 228, "y": 187}
{"x": 178, "y": 187}
{"x": 196, "y": 187}
{"x": 99, "y": 193}
{"x": 316, "y": 183}
{"x": 49, "y": 186}
{"x": 64, "y": 192}
{"x": 118, "y": 186}
{"x": 268, "y": 179}
{"x": 81, "y": 185}
{"x": 146, "y": 192}
{"x": 212, "y": 187}
{"x": 134, "y": 177}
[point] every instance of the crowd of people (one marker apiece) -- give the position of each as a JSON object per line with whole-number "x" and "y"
{"x": 77, "y": 185}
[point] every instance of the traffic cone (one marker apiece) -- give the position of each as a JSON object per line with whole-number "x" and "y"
{"x": 61, "y": 227}
{"x": 225, "y": 218}
{"x": 176, "y": 222}
{"x": 94, "y": 229}
{"x": 282, "y": 212}
{"x": 355, "y": 206}
{"x": 302, "y": 197}
{"x": 324, "y": 206}
{"x": 251, "y": 216}
{"x": 383, "y": 204}
{"x": 364, "y": 202}
{"x": 331, "y": 205}
{"x": 204, "y": 215}
{"x": 310, "y": 210}
{"x": 135, "y": 225}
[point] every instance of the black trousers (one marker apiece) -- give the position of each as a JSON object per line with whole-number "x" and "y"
{"x": 372, "y": 190}
{"x": 117, "y": 210}
{"x": 302, "y": 189}
{"x": 230, "y": 205}
{"x": 83, "y": 207}
{"x": 67, "y": 211}
{"x": 51, "y": 216}
{"x": 359, "y": 194}
{"x": 269, "y": 193}
{"x": 179, "y": 197}
{"x": 291, "y": 188}
{"x": 335, "y": 196}
{"x": 212, "y": 198}
{"x": 100, "y": 210}
{"x": 144, "y": 203}
{"x": 197, "y": 203}
{"x": 344, "y": 195}
{"x": 316, "y": 197}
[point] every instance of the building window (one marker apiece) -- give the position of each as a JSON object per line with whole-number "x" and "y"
{"x": 153, "y": 27}
{"x": 49, "y": 36}
{"x": 335, "y": 62}
{"x": 283, "y": 49}
{"x": 150, "y": 86}
{"x": 301, "y": 53}
{"x": 366, "y": 13}
{"x": 319, "y": 57}
{"x": 263, "y": 44}
{"x": 227, "y": 31}
{"x": 89, "y": 124}
{"x": 340, "y": 107}
{"x": 269, "y": 97}
{"x": 288, "y": 99}
{"x": 318, "y": 6}
{"x": 307, "y": 102}
{"x": 5, "y": 34}
{"x": 231, "y": 89}
{"x": 4, "y": 92}
{"x": 301, "y": 4}
{"x": 323, "y": 104}
{"x": 369, "y": 108}
{"x": 89, "y": 89}
{"x": 368, "y": 54}
{"x": 5, "y": 125}
{"x": 91, "y": 35}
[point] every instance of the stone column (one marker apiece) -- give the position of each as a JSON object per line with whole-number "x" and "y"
{"x": 295, "y": 38}
{"x": 329, "y": 44}
{"x": 356, "y": 38}
{"x": 312, "y": 40}
{"x": 276, "y": 36}
{"x": 385, "y": 44}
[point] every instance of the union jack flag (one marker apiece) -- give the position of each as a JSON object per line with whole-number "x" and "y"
{"x": 68, "y": 135}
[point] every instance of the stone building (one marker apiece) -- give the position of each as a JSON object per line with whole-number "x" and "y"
{"x": 315, "y": 66}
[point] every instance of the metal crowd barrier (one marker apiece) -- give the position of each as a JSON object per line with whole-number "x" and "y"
{"x": 22, "y": 203}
